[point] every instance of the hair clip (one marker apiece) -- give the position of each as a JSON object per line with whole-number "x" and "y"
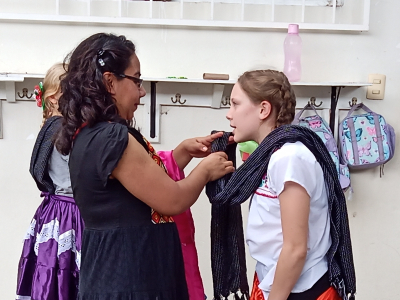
{"x": 101, "y": 62}
{"x": 39, "y": 91}
{"x": 100, "y": 52}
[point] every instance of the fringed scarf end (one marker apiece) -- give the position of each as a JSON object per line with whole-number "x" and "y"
{"x": 236, "y": 296}
{"x": 242, "y": 296}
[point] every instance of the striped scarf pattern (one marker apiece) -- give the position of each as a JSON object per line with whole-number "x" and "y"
{"x": 227, "y": 193}
{"x": 41, "y": 153}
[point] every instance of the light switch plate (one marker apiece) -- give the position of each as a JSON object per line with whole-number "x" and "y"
{"x": 377, "y": 90}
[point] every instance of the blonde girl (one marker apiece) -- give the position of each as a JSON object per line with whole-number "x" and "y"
{"x": 50, "y": 260}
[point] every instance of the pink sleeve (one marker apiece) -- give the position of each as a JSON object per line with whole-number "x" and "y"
{"x": 184, "y": 223}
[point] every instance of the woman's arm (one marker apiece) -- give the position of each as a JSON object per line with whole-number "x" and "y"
{"x": 195, "y": 147}
{"x": 295, "y": 209}
{"x": 144, "y": 179}
{"x": 181, "y": 155}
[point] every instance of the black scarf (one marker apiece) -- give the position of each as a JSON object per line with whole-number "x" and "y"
{"x": 42, "y": 150}
{"x": 227, "y": 193}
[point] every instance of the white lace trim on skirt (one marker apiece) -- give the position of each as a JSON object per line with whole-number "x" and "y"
{"x": 66, "y": 241}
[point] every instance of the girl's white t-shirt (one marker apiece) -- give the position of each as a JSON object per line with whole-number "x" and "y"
{"x": 292, "y": 162}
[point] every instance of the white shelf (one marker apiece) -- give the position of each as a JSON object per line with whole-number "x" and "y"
{"x": 11, "y": 78}
{"x": 331, "y": 83}
{"x": 189, "y": 80}
{"x": 127, "y": 21}
{"x": 19, "y": 77}
{"x": 300, "y": 83}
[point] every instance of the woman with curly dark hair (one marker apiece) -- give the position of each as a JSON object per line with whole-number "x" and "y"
{"x": 130, "y": 248}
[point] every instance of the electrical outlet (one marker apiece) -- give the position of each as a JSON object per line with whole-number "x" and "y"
{"x": 377, "y": 90}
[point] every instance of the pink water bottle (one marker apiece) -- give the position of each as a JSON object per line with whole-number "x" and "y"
{"x": 292, "y": 49}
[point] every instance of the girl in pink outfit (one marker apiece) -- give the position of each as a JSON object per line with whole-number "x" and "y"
{"x": 185, "y": 224}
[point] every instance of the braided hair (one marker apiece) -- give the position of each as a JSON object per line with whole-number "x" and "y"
{"x": 274, "y": 87}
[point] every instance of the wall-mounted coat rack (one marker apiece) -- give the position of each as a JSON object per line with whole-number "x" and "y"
{"x": 226, "y": 101}
{"x": 207, "y": 93}
{"x": 312, "y": 102}
{"x": 177, "y": 99}
{"x": 353, "y": 102}
{"x": 221, "y": 91}
{"x": 25, "y": 94}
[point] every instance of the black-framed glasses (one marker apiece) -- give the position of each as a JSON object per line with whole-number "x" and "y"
{"x": 136, "y": 80}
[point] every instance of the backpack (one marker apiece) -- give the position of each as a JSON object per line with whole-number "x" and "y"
{"x": 317, "y": 124}
{"x": 366, "y": 140}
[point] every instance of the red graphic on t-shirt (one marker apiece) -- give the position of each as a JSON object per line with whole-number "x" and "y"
{"x": 264, "y": 190}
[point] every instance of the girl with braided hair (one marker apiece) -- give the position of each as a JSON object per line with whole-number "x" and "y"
{"x": 295, "y": 193}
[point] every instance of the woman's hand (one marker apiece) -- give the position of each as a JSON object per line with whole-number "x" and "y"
{"x": 201, "y": 146}
{"x": 216, "y": 165}
{"x": 137, "y": 172}
{"x": 195, "y": 147}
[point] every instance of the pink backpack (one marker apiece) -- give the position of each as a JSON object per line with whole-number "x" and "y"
{"x": 317, "y": 124}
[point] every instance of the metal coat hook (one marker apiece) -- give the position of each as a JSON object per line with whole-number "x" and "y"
{"x": 25, "y": 94}
{"x": 312, "y": 102}
{"x": 226, "y": 101}
{"x": 178, "y": 99}
{"x": 353, "y": 102}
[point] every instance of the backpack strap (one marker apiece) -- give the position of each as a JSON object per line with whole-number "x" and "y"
{"x": 357, "y": 107}
{"x": 378, "y": 131}
{"x": 296, "y": 119}
{"x": 350, "y": 123}
{"x": 379, "y": 137}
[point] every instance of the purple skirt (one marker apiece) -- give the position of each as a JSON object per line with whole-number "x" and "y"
{"x": 50, "y": 260}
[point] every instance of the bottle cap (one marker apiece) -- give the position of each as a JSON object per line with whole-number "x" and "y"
{"x": 293, "y": 28}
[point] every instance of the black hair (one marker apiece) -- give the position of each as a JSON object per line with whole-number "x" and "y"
{"x": 85, "y": 97}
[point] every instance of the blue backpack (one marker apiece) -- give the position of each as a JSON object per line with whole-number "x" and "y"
{"x": 321, "y": 128}
{"x": 366, "y": 140}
